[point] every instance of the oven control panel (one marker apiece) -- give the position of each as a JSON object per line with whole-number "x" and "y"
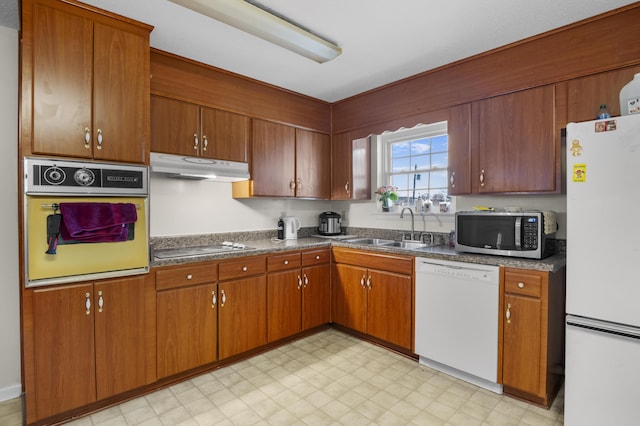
{"x": 47, "y": 176}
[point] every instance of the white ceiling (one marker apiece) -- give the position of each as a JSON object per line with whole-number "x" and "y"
{"x": 382, "y": 41}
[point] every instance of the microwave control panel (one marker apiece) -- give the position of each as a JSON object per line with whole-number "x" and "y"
{"x": 530, "y": 233}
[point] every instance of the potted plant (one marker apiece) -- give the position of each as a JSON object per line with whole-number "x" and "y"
{"x": 387, "y": 195}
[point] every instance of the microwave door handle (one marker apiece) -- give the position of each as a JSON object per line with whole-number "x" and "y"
{"x": 518, "y": 231}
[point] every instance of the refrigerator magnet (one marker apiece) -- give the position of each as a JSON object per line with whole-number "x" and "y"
{"x": 576, "y": 148}
{"x": 579, "y": 173}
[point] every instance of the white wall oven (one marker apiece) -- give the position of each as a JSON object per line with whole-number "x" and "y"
{"x": 84, "y": 220}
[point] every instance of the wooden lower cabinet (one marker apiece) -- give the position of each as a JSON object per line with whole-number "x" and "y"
{"x": 242, "y": 306}
{"x": 533, "y": 333}
{"x": 84, "y": 343}
{"x": 298, "y": 289}
{"x": 187, "y": 328}
{"x": 187, "y": 317}
{"x": 373, "y": 294}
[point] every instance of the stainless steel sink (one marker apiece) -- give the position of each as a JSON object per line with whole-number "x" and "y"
{"x": 369, "y": 241}
{"x": 406, "y": 244}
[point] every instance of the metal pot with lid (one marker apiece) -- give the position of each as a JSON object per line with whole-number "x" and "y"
{"x": 330, "y": 223}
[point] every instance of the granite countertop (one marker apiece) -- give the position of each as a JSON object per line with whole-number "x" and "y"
{"x": 270, "y": 245}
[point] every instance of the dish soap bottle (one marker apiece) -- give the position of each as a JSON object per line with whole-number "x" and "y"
{"x": 280, "y": 229}
{"x": 630, "y": 97}
{"x": 603, "y": 113}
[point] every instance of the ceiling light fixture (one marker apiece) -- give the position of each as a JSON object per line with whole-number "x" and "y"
{"x": 266, "y": 25}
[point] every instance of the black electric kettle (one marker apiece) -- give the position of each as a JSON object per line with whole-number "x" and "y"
{"x": 330, "y": 223}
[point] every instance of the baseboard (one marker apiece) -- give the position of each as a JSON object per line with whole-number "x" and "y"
{"x": 10, "y": 392}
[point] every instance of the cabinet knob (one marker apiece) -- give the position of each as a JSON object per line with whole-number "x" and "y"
{"x": 452, "y": 179}
{"x": 346, "y": 187}
{"x": 318, "y": 257}
{"x": 292, "y": 185}
{"x": 520, "y": 285}
{"x": 299, "y": 282}
{"x": 87, "y": 303}
{"x": 213, "y": 299}
{"x": 482, "y": 178}
{"x": 100, "y": 301}
{"x": 205, "y": 142}
{"x": 286, "y": 262}
{"x": 223, "y": 299}
{"x": 189, "y": 276}
{"x": 87, "y": 137}
{"x": 99, "y": 139}
{"x": 195, "y": 141}
{"x": 306, "y": 280}
{"x": 245, "y": 269}
{"x": 299, "y": 184}
{"x": 508, "y": 313}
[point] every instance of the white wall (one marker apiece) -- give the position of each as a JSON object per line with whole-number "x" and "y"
{"x": 10, "y": 383}
{"x": 188, "y": 207}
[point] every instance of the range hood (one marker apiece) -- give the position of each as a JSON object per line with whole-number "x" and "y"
{"x": 181, "y": 166}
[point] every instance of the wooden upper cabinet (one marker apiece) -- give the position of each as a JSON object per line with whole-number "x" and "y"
{"x": 585, "y": 95}
{"x": 184, "y": 128}
{"x": 174, "y": 126}
{"x": 514, "y": 143}
{"x": 273, "y": 159}
{"x": 88, "y": 76}
{"x": 459, "y": 134}
{"x": 350, "y": 168}
{"x": 225, "y": 135}
{"x": 313, "y": 162}
{"x": 287, "y": 162}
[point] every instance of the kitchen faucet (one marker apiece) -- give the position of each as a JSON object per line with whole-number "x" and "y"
{"x": 412, "y": 219}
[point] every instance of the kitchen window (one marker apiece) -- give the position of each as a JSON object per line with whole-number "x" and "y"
{"x": 415, "y": 162}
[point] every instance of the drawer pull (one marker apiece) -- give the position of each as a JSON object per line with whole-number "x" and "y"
{"x": 195, "y": 141}
{"x": 205, "y": 142}
{"x": 362, "y": 282}
{"x": 87, "y": 303}
{"x": 214, "y": 300}
{"x": 299, "y": 282}
{"x": 245, "y": 269}
{"x": 369, "y": 282}
{"x": 87, "y": 137}
{"x": 286, "y": 262}
{"x": 306, "y": 280}
{"x": 223, "y": 299}
{"x": 520, "y": 285}
{"x": 508, "y": 313}
{"x": 189, "y": 276}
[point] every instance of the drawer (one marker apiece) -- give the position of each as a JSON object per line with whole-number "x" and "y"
{"x": 241, "y": 267}
{"x": 186, "y": 275}
{"x": 280, "y": 262}
{"x": 526, "y": 284}
{"x": 315, "y": 257}
{"x": 374, "y": 260}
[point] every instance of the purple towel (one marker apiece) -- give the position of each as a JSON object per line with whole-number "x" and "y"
{"x": 96, "y": 222}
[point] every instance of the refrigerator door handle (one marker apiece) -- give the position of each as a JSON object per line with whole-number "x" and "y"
{"x": 603, "y": 326}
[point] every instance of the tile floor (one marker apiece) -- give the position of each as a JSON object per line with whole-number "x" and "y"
{"x": 329, "y": 378}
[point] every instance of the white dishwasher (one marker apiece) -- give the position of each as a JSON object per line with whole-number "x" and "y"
{"x": 456, "y": 319}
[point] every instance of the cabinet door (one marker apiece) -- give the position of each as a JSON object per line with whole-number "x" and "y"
{"x": 242, "y": 315}
{"x": 521, "y": 350}
{"x": 121, "y": 95}
{"x": 313, "y": 160}
{"x": 174, "y": 126}
{"x": 316, "y": 290}
{"x": 341, "y": 184}
{"x": 349, "y": 307}
{"x": 584, "y": 95}
{"x": 63, "y": 349}
{"x": 120, "y": 346}
{"x": 361, "y": 169}
{"x": 389, "y": 307}
{"x": 273, "y": 159}
{"x": 283, "y": 304}
{"x": 459, "y": 134}
{"x": 187, "y": 328}
{"x": 514, "y": 138}
{"x": 225, "y": 135}
{"x": 62, "y": 82}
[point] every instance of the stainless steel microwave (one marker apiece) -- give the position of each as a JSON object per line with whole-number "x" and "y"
{"x": 520, "y": 234}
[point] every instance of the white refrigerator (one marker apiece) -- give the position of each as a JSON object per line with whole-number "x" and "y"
{"x": 602, "y": 373}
